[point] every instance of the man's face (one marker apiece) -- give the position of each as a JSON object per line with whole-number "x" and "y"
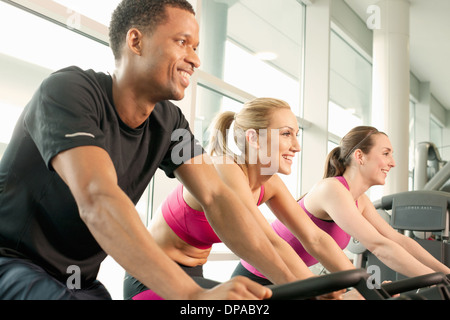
{"x": 169, "y": 56}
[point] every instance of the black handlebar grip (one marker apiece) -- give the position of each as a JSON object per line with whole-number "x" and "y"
{"x": 415, "y": 283}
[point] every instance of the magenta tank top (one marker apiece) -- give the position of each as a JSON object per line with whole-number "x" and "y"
{"x": 340, "y": 236}
{"x": 189, "y": 224}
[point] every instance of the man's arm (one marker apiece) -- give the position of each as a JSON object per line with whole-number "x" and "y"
{"x": 114, "y": 222}
{"x": 231, "y": 220}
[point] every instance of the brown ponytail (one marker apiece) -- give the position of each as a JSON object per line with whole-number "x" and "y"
{"x": 334, "y": 166}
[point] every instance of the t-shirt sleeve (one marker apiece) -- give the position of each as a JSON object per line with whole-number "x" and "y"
{"x": 183, "y": 147}
{"x": 63, "y": 114}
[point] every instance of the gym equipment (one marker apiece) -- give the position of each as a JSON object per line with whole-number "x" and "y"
{"x": 433, "y": 286}
{"x": 413, "y": 211}
{"x": 428, "y": 164}
{"x": 441, "y": 180}
{"x": 360, "y": 280}
{"x": 316, "y": 286}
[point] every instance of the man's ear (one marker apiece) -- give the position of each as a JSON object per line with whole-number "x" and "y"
{"x": 251, "y": 137}
{"x": 134, "y": 41}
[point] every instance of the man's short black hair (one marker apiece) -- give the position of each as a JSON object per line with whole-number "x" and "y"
{"x": 142, "y": 14}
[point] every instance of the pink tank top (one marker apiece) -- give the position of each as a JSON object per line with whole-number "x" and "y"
{"x": 189, "y": 224}
{"x": 330, "y": 227}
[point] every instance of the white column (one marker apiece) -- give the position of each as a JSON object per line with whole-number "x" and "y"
{"x": 391, "y": 69}
{"x": 316, "y": 92}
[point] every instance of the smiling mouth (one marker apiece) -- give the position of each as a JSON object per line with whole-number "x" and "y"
{"x": 385, "y": 171}
{"x": 288, "y": 158}
{"x": 185, "y": 75}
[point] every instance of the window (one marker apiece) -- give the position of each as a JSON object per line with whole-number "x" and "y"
{"x": 99, "y": 11}
{"x": 350, "y": 87}
{"x": 350, "y": 103}
{"x": 36, "y": 48}
{"x": 206, "y": 100}
{"x": 255, "y": 45}
{"x": 436, "y": 133}
{"x": 341, "y": 119}
{"x": 249, "y": 48}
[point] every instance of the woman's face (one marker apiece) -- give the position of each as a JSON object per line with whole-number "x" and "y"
{"x": 378, "y": 162}
{"x": 279, "y": 144}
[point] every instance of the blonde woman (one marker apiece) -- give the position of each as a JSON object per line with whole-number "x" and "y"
{"x": 265, "y": 134}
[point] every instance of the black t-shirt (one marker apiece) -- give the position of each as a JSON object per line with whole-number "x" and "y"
{"x": 39, "y": 219}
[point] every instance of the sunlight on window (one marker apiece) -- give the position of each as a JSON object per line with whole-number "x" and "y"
{"x": 341, "y": 120}
{"x": 244, "y": 70}
{"x": 8, "y": 119}
{"x": 436, "y": 133}
{"x": 46, "y": 44}
{"x": 99, "y": 11}
{"x": 39, "y": 42}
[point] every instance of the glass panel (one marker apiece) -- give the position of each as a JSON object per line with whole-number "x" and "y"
{"x": 255, "y": 45}
{"x": 331, "y": 145}
{"x": 341, "y": 120}
{"x": 43, "y": 43}
{"x": 436, "y": 134}
{"x": 99, "y": 11}
{"x": 209, "y": 103}
{"x": 8, "y": 119}
{"x": 350, "y": 87}
{"x": 34, "y": 49}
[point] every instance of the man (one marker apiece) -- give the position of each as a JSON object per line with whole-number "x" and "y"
{"x": 82, "y": 154}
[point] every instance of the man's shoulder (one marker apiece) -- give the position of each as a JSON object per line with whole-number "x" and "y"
{"x": 76, "y": 74}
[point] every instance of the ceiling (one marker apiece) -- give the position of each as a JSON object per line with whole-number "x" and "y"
{"x": 429, "y": 42}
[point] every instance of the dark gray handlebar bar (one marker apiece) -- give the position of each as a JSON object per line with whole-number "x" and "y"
{"x": 414, "y": 283}
{"x": 316, "y": 286}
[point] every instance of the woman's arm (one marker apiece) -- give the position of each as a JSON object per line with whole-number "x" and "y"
{"x": 285, "y": 251}
{"x": 317, "y": 242}
{"x": 226, "y": 206}
{"x": 411, "y": 246}
{"x": 332, "y": 197}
